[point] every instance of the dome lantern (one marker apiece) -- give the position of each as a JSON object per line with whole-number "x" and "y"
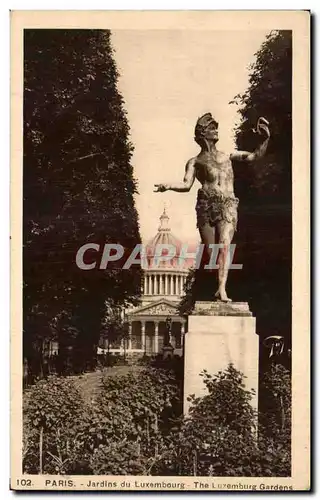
{"x": 164, "y": 222}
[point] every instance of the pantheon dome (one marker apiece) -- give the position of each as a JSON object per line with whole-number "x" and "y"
{"x": 163, "y": 287}
{"x": 166, "y": 277}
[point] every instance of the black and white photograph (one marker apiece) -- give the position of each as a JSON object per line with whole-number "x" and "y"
{"x": 155, "y": 345}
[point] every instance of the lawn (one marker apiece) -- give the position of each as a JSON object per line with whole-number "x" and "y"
{"x": 88, "y": 383}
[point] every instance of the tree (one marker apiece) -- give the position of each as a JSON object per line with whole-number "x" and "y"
{"x": 270, "y": 95}
{"x": 187, "y": 301}
{"x": 276, "y": 407}
{"x": 114, "y": 330}
{"x": 78, "y": 187}
{"x": 264, "y": 190}
{"x": 200, "y": 285}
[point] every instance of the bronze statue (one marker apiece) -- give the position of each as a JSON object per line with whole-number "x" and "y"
{"x": 216, "y": 206}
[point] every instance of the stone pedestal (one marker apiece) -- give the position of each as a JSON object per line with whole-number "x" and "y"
{"x": 167, "y": 351}
{"x": 218, "y": 334}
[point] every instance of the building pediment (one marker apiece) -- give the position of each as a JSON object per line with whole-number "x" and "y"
{"x": 161, "y": 308}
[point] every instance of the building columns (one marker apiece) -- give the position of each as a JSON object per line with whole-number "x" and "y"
{"x": 171, "y": 337}
{"x": 126, "y": 344}
{"x": 164, "y": 284}
{"x": 130, "y": 336}
{"x": 156, "y": 337}
{"x": 143, "y": 335}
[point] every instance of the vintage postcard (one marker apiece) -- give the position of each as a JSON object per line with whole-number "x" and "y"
{"x": 160, "y": 204}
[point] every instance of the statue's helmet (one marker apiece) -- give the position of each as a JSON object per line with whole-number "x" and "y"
{"x": 202, "y": 125}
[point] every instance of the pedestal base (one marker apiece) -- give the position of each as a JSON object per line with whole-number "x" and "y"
{"x": 167, "y": 351}
{"x": 220, "y": 334}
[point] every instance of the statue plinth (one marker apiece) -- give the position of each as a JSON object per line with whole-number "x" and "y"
{"x": 218, "y": 308}
{"x": 167, "y": 351}
{"x": 219, "y": 334}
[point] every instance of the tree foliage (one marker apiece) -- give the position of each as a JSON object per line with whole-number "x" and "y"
{"x": 78, "y": 188}
{"x": 264, "y": 190}
{"x": 270, "y": 95}
{"x": 187, "y": 301}
{"x": 276, "y": 408}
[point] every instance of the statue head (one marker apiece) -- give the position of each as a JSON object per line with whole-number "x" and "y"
{"x": 206, "y": 129}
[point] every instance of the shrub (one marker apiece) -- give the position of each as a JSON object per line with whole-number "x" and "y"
{"x": 135, "y": 426}
{"x": 219, "y": 436}
{"x": 275, "y": 418}
{"x": 120, "y": 433}
{"x": 53, "y": 407}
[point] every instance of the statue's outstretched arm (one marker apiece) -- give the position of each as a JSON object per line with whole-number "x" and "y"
{"x": 185, "y": 185}
{"x": 263, "y": 130}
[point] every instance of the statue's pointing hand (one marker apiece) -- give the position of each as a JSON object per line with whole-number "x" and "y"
{"x": 160, "y": 188}
{"x": 262, "y": 127}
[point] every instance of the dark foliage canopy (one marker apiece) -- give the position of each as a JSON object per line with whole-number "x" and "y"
{"x": 264, "y": 239}
{"x": 270, "y": 95}
{"x": 78, "y": 185}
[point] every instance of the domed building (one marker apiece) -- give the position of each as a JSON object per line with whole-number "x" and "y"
{"x": 163, "y": 287}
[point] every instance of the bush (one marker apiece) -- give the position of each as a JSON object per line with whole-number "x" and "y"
{"x": 111, "y": 359}
{"x": 142, "y": 405}
{"x": 120, "y": 433}
{"x": 275, "y": 418}
{"x": 135, "y": 426}
{"x": 53, "y": 407}
{"x": 219, "y": 436}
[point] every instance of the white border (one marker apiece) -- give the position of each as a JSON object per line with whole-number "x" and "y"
{"x": 4, "y": 197}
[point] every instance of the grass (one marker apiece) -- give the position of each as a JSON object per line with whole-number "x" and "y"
{"x": 88, "y": 383}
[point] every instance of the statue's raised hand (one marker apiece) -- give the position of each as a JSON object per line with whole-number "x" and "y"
{"x": 160, "y": 188}
{"x": 263, "y": 127}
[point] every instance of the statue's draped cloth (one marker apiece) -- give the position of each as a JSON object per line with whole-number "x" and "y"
{"x": 213, "y": 207}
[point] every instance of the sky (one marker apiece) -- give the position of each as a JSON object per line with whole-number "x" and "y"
{"x": 168, "y": 78}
